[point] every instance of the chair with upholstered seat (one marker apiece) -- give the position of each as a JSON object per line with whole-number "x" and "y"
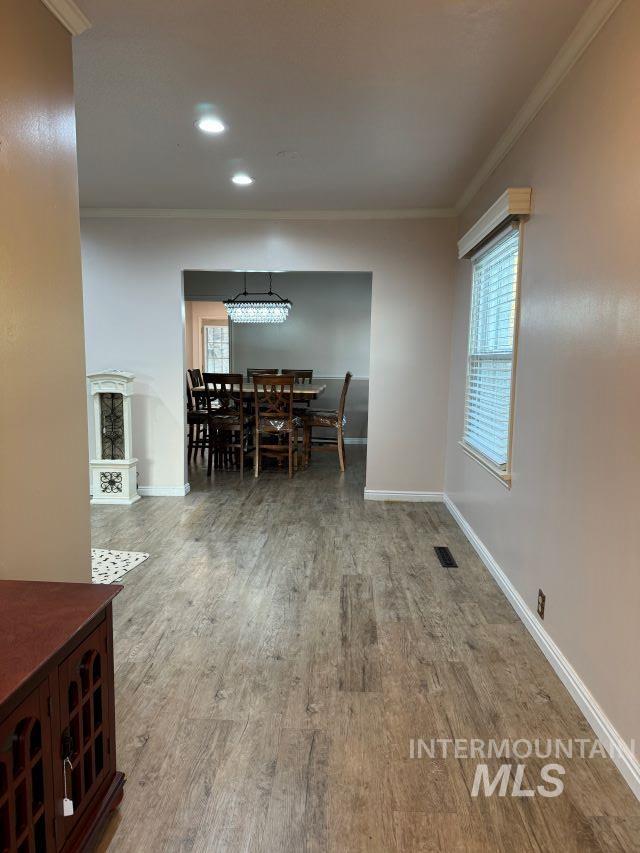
{"x": 197, "y": 398}
{"x": 195, "y": 375}
{"x": 327, "y": 419}
{"x": 197, "y": 423}
{"x": 227, "y": 420}
{"x": 276, "y": 424}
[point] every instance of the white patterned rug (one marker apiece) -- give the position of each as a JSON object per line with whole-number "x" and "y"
{"x": 110, "y": 566}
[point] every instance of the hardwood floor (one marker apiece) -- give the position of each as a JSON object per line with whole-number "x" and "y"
{"x": 283, "y": 644}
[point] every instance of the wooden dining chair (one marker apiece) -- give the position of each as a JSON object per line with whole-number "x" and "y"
{"x": 197, "y": 423}
{"x": 226, "y": 416}
{"x": 275, "y": 419}
{"x": 301, "y": 377}
{"x": 328, "y": 419}
{"x": 199, "y": 403}
{"x": 251, "y": 371}
{"x": 195, "y": 375}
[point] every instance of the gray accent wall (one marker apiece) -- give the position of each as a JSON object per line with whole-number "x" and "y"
{"x": 328, "y": 330}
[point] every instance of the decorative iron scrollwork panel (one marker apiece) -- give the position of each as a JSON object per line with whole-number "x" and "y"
{"x": 112, "y": 427}
{"x": 111, "y": 481}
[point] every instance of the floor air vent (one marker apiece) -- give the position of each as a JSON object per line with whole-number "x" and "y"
{"x": 445, "y": 556}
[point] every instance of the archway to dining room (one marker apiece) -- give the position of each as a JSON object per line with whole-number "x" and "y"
{"x": 322, "y": 345}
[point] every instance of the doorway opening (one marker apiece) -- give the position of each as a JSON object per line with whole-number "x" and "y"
{"x": 326, "y": 332}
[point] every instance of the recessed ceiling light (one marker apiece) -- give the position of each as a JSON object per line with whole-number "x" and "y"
{"x": 242, "y": 180}
{"x": 210, "y": 125}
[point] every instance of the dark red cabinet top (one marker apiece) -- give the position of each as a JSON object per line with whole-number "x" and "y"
{"x": 38, "y": 619}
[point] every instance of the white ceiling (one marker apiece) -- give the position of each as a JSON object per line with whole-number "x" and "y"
{"x": 376, "y": 105}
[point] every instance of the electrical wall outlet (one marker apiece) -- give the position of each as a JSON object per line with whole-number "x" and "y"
{"x": 542, "y": 598}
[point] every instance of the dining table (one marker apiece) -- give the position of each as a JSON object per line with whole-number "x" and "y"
{"x": 300, "y": 392}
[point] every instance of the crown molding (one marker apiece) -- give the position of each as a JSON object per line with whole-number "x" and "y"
{"x": 514, "y": 202}
{"x": 69, "y": 15}
{"x": 168, "y": 213}
{"x": 585, "y": 31}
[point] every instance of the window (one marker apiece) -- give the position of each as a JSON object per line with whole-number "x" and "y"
{"x": 216, "y": 346}
{"x": 490, "y": 360}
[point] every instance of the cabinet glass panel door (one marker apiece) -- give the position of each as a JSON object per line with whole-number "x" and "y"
{"x": 84, "y": 709}
{"x": 26, "y": 800}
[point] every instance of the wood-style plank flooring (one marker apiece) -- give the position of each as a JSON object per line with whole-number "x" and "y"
{"x": 281, "y": 647}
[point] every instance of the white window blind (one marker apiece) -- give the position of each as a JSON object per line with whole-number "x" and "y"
{"x": 487, "y": 423}
{"x": 216, "y": 347}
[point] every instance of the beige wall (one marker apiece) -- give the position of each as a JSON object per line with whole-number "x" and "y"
{"x": 44, "y": 512}
{"x": 133, "y": 315}
{"x": 194, "y": 314}
{"x": 570, "y": 523}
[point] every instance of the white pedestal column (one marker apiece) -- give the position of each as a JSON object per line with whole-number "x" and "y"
{"x": 113, "y": 470}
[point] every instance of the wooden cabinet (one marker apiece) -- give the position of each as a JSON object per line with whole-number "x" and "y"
{"x": 56, "y": 703}
{"x": 26, "y": 781}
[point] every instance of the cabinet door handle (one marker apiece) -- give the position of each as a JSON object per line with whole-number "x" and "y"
{"x": 67, "y": 745}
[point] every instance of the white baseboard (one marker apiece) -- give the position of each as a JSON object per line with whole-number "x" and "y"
{"x": 355, "y": 440}
{"x": 621, "y": 754}
{"x": 164, "y": 491}
{"x": 383, "y": 495}
{"x": 114, "y": 501}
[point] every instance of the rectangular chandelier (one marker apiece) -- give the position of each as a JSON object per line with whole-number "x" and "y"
{"x": 271, "y": 308}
